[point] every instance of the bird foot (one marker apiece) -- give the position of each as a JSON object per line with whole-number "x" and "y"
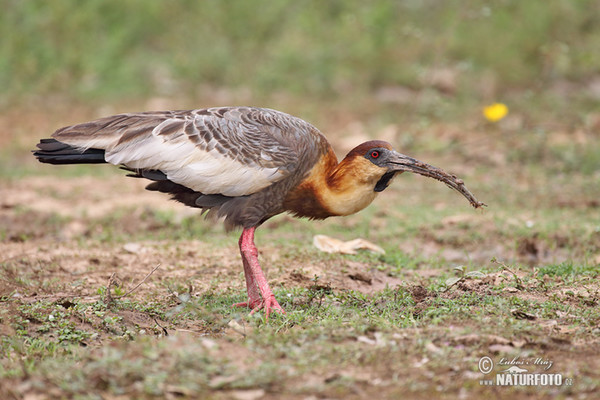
{"x": 269, "y": 304}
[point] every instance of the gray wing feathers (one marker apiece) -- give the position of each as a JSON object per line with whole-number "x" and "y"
{"x": 215, "y": 150}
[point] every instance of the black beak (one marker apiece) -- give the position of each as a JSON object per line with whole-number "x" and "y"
{"x": 400, "y": 163}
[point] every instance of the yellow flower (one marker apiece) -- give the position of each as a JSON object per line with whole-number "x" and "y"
{"x": 495, "y": 112}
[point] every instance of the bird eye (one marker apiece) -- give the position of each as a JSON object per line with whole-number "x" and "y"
{"x": 374, "y": 154}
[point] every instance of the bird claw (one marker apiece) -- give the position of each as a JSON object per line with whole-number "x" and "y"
{"x": 270, "y": 304}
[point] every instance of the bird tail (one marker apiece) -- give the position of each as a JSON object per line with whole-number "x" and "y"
{"x": 52, "y": 151}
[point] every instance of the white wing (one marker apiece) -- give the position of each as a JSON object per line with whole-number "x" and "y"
{"x": 229, "y": 151}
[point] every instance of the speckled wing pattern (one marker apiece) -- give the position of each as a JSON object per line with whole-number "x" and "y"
{"x": 233, "y": 151}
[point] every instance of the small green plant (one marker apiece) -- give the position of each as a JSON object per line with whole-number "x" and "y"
{"x": 317, "y": 292}
{"x": 518, "y": 281}
{"x": 462, "y": 274}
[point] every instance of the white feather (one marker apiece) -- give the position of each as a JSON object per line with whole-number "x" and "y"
{"x": 184, "y": 163}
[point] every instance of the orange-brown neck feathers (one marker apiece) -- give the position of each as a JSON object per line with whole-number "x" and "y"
{"x": 338, "y": 189}
{"x": 355, "y": 168}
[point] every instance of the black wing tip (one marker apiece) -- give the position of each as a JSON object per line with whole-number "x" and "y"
{"x": 52, "y": 151}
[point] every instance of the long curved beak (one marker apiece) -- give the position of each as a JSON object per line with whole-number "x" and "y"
{"x": 401, "y": 163}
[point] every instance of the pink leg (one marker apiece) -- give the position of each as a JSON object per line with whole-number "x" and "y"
{"x": 254, "y": 298}
{"x": 259, "y": 292}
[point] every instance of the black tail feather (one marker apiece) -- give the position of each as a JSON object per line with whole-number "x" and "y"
{"x": 186, "y": 195}
{"x": 52, "y": 151}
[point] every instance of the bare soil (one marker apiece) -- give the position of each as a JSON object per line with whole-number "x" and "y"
{"x": 48, "y": 255}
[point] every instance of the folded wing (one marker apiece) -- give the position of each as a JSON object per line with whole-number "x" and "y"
{"x": 233, "y": 151}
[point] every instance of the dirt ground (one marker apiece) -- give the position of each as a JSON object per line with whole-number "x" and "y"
{"x": 62, "y": 244}
{"x": 49, "y": 261}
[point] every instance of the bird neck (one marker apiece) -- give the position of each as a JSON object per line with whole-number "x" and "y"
{"x": 333, "y": 188}
{"x": 350, "y": 185}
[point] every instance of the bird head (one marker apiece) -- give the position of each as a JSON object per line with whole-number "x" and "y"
{"x": 385, "y": 163}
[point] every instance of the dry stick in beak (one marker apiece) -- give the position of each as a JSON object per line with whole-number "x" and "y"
{"x": 404, "y": 163}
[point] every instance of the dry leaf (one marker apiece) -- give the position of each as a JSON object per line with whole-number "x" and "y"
{"x": 500, "y": 348}
{"x": 548, "y": 323}
{"x": 457, "y": 219}
{"x": 135, "y": 248}
{"x": 332, "y": 245}
{"x": 522, "y": 314}
{"x": 366, "y": 340}
{"x": 468, "y": 339}
{"x": 236, "y": 330}
{"x": 250, "y": 394}
{"x": 495, "y": 339}
{"x": 433, "y": 348}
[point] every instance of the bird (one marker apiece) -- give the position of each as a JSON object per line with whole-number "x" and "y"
{"x": 243, "y": 165}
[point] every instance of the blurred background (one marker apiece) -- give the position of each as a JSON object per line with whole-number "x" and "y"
{"x": 419, "y": 74}
{"x": 387, "y": 50}
{"x": 400, "y": 62}
{"x": 411, "y": 63}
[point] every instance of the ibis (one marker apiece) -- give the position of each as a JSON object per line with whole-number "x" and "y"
{"x": 243, "y": 165}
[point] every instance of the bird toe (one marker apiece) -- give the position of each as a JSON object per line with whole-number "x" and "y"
{"x": 269, "y": 305}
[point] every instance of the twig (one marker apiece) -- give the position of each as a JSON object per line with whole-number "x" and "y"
{"x": 111, "y": 281}
{"x": 136, "y": 286}
{"x": 505, "y": 267}
{"x": 162, "y": 327}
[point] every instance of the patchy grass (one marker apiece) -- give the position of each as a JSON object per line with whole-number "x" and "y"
{"x": 195, "y": 344}
{"x": 454, "y": 286}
